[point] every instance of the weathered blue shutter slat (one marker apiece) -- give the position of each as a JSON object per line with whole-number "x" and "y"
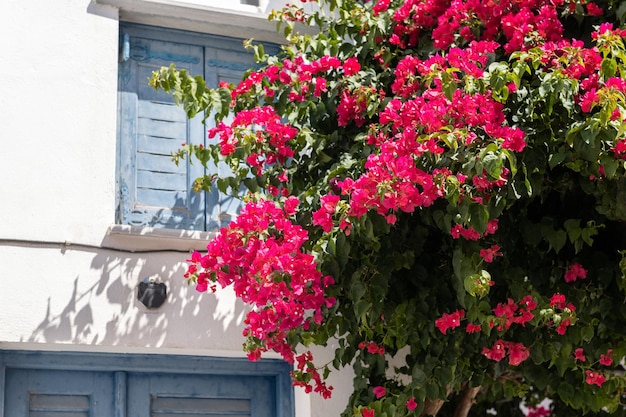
{"x": 166, "y": 129}
{"x": 156, "y": 145}
{"x": 168, "y": 181}
{"x": 158, "y": 163}
{"x": 162, "y": 111}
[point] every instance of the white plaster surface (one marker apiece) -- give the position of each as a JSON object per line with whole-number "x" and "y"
{"x": 58, "y": 114}
{"x": 57, "y": 160}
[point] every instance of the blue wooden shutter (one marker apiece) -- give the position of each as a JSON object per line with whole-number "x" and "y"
{"x": 153, "y": 190}
{"x": 225, "y": 61}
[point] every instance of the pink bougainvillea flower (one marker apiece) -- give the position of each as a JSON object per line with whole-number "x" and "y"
{"x": 579, "y": 354}
{"x": 489, "y": 253}
{"x": 557, "y": 300}
{"x": 593, "y": 377}
{"x": 528, "y": 303}
{"x": 367, "y": 412}
{"x": 509, "y": 313}
{"x": 467, "y": 233}
{"x": 495, "y": 353}
{"x": 379, "y": 392}
{"x": 324, "y": 216}
{"x": 381, "y": 6}
{"x": 575, "y": 271}
{"x": 563, "y": 325}
{"x": 505, "y": 313}
{"x": 411, "y": 404}
{"x": 449, "y": 321}
{"x": 473, "y": 328}
{"x": 539, "y": 411}
{"x": 492, "y": 227}
{"x": 619, "y": 148}
{"x": 606, "y": 359}
{"x": 351, "y": 66}
{"x": 372, "y": 348}
{"x": 594, "y": 10}
{"x": 518, "y": 353}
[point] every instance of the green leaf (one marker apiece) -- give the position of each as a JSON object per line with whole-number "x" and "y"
{"x": 587, "y": 333}
{"x": 566, "y": 392}
{"x": 493, "y": 165}
{"x": 556, "y": 238}
{"x": 361, "y": 307}
{"x": 572, "y": 227}
{"x": 479, "y": 217}
{"x": 609, "y": 67}
{"x": 610, "y": 165}
{"x": 419, "y": 377}
{"x": 448, "y": 85}
{"x": 432, "y": 390}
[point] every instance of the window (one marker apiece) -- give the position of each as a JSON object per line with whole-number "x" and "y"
{"x": 50, "y": 384}
{"x": 152, "y": 190}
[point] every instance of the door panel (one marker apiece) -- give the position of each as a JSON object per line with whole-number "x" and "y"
{"x": 35, "y": 393}
{"x": 201, "y": 395}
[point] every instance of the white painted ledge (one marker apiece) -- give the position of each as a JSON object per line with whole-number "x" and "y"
{"x": 135, "y": 238}
{"x": 240, "y": 21}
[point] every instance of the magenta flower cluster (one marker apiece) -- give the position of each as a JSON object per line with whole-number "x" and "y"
{"x": 260, "y": 254}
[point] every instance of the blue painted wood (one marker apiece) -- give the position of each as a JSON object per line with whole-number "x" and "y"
{"x": 152, "y": 127}
{"x": 170, "y": 385}
{"x": 197, "y": 406}
{"x": 120, "y": 394}
{"x": 202, "y": 395}
{"x": 39, "y": 393}
{"x": 186, "y": 364}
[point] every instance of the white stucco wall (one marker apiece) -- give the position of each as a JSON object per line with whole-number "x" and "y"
{"x": 57, "y": 159}
{"x": 59, "y": 83}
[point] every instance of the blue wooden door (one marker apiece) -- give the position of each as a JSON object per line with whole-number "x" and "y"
{"x": 37, "y": 393}
{"x": 167, "y": 395}
{"x": 78, "y": 384}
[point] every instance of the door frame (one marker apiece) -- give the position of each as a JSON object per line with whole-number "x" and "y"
{"x": 150, "y": 363}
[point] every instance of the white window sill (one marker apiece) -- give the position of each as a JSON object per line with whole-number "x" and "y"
{"x": 241, "y": 21}
{"x": 136, "y": 238}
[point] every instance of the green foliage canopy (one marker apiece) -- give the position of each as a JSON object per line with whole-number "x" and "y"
{"x": 438, "y": 182}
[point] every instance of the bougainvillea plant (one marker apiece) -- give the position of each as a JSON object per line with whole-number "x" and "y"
{"x": 439, "y": 188}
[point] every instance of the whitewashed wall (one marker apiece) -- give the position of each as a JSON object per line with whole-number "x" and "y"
{"x": 61, "y": 289}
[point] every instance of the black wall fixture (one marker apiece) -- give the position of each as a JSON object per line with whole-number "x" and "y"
{"x": 151, "y": 294}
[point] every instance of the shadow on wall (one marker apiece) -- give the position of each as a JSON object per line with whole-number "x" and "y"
{"x": 102, "y": 308}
